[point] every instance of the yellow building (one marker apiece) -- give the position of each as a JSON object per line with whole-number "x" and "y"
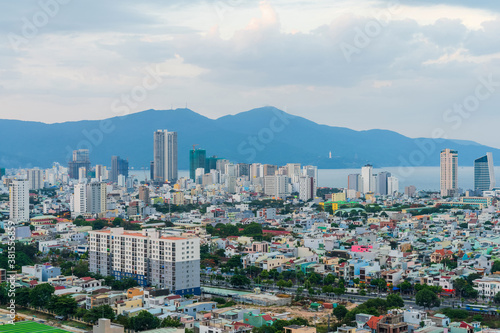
{"x": 338, "y": 196}
{"x": 132, "y": 292}
{"x": 128, "y": 305}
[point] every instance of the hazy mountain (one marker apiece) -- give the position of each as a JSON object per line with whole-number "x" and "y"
{"x": 265, "y": 135}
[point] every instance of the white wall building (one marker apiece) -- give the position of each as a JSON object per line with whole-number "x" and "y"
{"x": 19, "y": 201}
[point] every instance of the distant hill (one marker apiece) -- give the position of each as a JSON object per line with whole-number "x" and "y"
{"x": 265, "y": 135}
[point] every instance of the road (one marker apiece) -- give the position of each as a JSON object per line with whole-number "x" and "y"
{"x": 353, "y": 298}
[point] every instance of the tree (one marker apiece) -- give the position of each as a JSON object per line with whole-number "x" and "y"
{"x": 22, "y": 296}
{"x": 253, "y": 229}
{"x": 62, "y": 305}
{"x": 427, "y": 299}
{"x": 405, "y": 286}
{"x": 144, "y": 321}
{"x": 101, "y": 311}
{"x": 239, "y": 280}
{"x": 170, "y": 322}
{"x": 496, "y": 299}
{"x": 234, "y": 262}
{"x": 472, "y": 277}
{"x": 395, "y": 301}
{"x": 496, "y": 266}
{"x": 340, "y": 312}
{"x": 329, "y": 279}
{"x": 40, "y": 295}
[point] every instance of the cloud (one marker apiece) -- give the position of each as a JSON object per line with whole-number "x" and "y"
{"x": 225, "y": 56}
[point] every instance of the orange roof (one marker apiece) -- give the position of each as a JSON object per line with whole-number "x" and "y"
{"x": 372, "y": 323}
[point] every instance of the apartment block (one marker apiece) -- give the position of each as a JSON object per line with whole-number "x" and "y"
{"x": 149, "y": 257}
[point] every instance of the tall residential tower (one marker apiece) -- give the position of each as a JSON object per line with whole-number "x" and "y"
{"x": 484, "y": 173}
{"x": 165, "y": 156}
{"x": 449, "y": 173}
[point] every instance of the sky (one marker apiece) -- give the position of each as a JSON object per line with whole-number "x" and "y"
{"x": 419, "y": 67}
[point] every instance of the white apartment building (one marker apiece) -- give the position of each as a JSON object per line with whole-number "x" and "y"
{"x": 80, "y": 199}
{"x": 149, "y": 257}
{"x": 307, "y": 188}
{"x": 19, "y": 201}
{"x": 487, "y": 287}
{"x": 96, "y": 198}
{"x": 276, "y": 186}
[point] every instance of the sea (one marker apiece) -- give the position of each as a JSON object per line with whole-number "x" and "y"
{"x": 423, "y": 178}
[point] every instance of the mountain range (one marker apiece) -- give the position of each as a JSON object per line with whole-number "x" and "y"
{"x": 264, "y": 135}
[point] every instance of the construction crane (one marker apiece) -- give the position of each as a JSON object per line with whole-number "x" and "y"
{"x": 194, "y": 146}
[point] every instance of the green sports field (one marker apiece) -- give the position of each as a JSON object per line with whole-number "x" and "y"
{"x": 29, "y": 327}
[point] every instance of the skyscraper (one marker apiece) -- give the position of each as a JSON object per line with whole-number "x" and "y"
{"x": 382, "y": 179}
{"x": 484, "y": 173}
{"x": 96, "y": 198}
{"x": 367, "y": 176}
{"x": 392, "y": 185}
{"x": 19, "y": 201}
{"x": 118, "y": 167}
{"x": 80, "y": 160}
{"x": 449, "y": 172}
{"x": 35, "y": 179}
{"x": 354, "y": 182}
{"x": 165, "y": 156}
{"x": 80, "y": 199}
{"x": 144, "y": 194}
{"x": 197, "y": 159}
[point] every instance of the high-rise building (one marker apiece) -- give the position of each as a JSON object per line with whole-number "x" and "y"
{"x": 243, "y": 169}
{"x": 354, "y": 182}
{"x": 149, "y": 257}
{"x": 19, "y": 201}
{"x": 221, "y": 165}
{"x": 152, "y": 170}
{"x": 211, "y": 163}
{"x": 2, "y": 172}
{"x": 96, "y": 198}
{"x": 449, "y": 173}
{"x": 392, "y": 185}
{"x": 484, "y": 173}
{"x": 293, "y": 172}
{"x": 410, "y": 191}
{"x": 382, "y": 179}
{"x": 268, "y": 170}
{"x": 367, "y": 176}
{"x": 276, "y": 186}
{"x": 80, "y": 160}
{"x": 307, "y": 188}
{"x": 100, "y": 172}
{"x": 119, "y": 166}
{"x": 165, "y": 156}
{"x": 144, "y": 194}
{"x": 255, "y": 170}
{"x": 35, "y": 179}
{"x": 80, "y": 199}
{"x": 197, "y": 159}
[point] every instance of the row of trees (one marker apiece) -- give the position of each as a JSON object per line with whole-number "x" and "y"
{"x": 146, "y": 321}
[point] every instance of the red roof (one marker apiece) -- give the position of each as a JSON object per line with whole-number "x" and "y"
{"x": 173, "y": 297}
{"x": 463, "y": 324}
{"x": 267, "y": 317}
{"x": 372, "y": 323}
{"x": 59, "y": 287}
{"x": 86, "y": 278}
